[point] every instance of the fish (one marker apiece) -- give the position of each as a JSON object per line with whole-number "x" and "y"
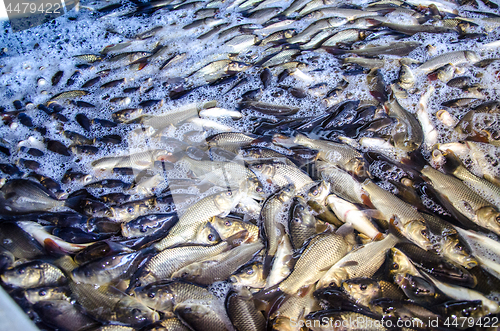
{"x": 411, "y": 223}
{"x": 362, "y": 262}
{"x": 63, "y": 314}
{"x": 218, "y": 267}
{"x": 350, "y": 214}
{"x": 198, "y": 214}
{"x": 243, "y": 313}
{"x": 24, "y": 196}
{"x": 163, "y": 265}
{"x": 34, "y": 274}
{"x": 312, "y": 265}
{"x": 270, "y": 218}
{"x": 455, "y": 58}
{"x": 465, "y": 200}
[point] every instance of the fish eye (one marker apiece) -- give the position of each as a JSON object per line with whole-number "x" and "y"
{"x": 151, "y": 295}
{"x": 229, "y": 194}
{"x": 395, "y": 266}
{"x": 42, "y": 293}
{"x": 130, "y": 210}
{"x": 315, "y": 192}
{"x": 227, "y": 223}
{"x": 211, "y": 237}
{"x": 497, "y": 219}
{"x": 296, "y": 220}
{"x": 142, "y": 229}
{"x": 258, "y": 189}
{"x": 363, "y": 287}
{"x": 20, "y": 271}
{"x": 250, "y": 272}
{"x": 424, "y": 233}
{"x": 459, "y": 247}
{"x": 258, "y": 166}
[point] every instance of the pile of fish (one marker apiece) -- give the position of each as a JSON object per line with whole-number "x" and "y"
{"x": 255, "y": 165}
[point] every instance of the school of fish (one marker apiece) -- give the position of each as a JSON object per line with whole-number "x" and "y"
{"x": 255, "y": 165}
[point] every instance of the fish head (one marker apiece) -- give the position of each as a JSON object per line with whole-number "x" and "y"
{"x": 471, "y": 56}
{"x": 254, "y": 188}
{"x": 226, "y": 200}
{"x": 156, "y": 296}
{"x": 416, "y": 288}
{"x": 252, "y": 276}
{"x": 399, "y": 263}
{"x": 363, "y": 290}
{"x": 489, "y": 217}
{"x": 287, "y": 193}
{"x": 227, "y": 226}
{"x": 24, "y": 276}
{"x": 131, "y": 311}
{"x": 282, "y": 140}
{"x": 267, "y": 170}
{"x": 45, "y": 293}
{"x": 464, "y": 309}
{"x": 358, "y": 167}
{"x": 236, "y": 66}
{"x": 417, "y": 232}
{"x": 319, "y": 192}
{"x": 451, "y": 246}
{"x": 126, "y": 114}
{"x": 207, "y": 235}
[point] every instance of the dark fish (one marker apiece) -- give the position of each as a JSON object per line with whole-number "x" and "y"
{"x": 62, "y": 314}
{"x": 104, "y": 123}
{"x": 91, "y": 82}
{"x": 84, "y": 149}
{"x": 266, "y": 77}
{"x": 31, "y": 151}
{"x": 57, "y": 77}
{"x": 10, "y": 169}
{"x": 268, "y": 109}
{"x": 25, "y": 120}
{"x": 57, "y": 147}
{"x": 77, "y": 138}
{"x": 110, "y": 139}
{"x": 84, "y": 121}
{"x": 29, "y": 164}
{"x": 73, "y": 78}
{"x": 113, "y": 83}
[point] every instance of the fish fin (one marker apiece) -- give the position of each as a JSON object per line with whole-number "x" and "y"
{"x": 452, "y": 162}
{"x": 303, "y": 291}
{"x": 53, "y": 248}
{"x": 379, "y": 237}
{"x": 237, "y": 239}
{"x": 365, "y": 197}
{"x": 373, "y": 213}
{"x": 267, "y": 265}
{"x": 393, "y": 228}
{"x": 415, "y": 160}
{"x": 347, "y": 231}
{"x": 270, "y": 299}
{"x": 349, "y": 264}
